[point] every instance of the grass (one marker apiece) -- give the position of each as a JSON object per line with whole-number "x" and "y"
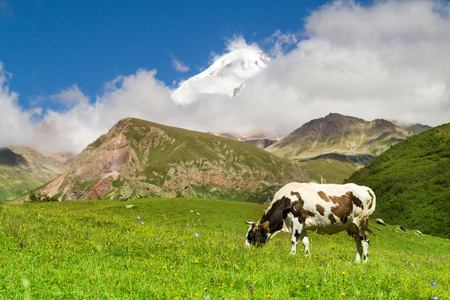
{"x": 193, "y": 249}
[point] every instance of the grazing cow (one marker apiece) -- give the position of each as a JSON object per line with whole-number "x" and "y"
{"x": 324, "y": 208}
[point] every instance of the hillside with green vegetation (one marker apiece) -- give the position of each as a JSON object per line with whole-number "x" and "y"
{"x": 138, "y": 158}
{"x": 412, "y": 182}
{"x": 185, "y": 248}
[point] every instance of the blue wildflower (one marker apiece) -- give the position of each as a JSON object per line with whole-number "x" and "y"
{"x": 433, "y": 283}
{"x": 196, "y": 234}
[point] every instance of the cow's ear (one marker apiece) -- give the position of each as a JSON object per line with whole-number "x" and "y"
{"x": 265, "y": 226}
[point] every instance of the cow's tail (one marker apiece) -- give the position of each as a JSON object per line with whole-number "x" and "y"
{"x": 364, "y": 218}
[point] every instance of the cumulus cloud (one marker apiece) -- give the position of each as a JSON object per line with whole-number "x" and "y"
{"x": 387, "y": 60}
{"x": 70, "y": 97}
{"x": 16, "y": 126}
{"x": 139, "y": 95}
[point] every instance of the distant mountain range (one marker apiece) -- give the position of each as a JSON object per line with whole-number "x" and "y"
{"x": 137, "y": 158}
{"x": 339, "y": 134}
{"x": 23, "y": 169}
{"x": 333, "y": 147}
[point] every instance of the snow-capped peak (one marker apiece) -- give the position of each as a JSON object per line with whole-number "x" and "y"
{"x": 226, "y": 76}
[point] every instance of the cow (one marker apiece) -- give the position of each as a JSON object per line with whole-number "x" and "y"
{"x": 324, "y": 208}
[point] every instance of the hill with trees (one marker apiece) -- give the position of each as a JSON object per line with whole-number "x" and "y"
{"x": 412, "y": 182}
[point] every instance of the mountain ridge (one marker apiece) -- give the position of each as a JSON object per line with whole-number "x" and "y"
{"x": 339, "y": 134}
{"x": 331, "y": 148}
{"x": 138, "y": 158}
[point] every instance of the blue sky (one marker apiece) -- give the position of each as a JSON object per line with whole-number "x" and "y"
{"x": 48, "y": 46}
{"x": 69, "y": 70}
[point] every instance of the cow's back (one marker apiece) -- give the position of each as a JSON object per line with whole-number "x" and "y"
{"x": 310, "y": 191}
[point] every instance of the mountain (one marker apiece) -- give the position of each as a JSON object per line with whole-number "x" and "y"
{"x": 412, "y": 182}
{"x": 258, "y": 140}
{"x": 347, "y": 142}
{"x": 226, "y": 76}
{"x": 23, "y": 169}
{"x": 137, "y": 158}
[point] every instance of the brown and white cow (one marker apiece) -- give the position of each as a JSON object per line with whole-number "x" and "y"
{"x": 324, "y": 208}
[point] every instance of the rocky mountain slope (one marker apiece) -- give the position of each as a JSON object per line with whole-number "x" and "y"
{"x": 226, "y": 76}
{"x": 137, "y": 158}
{"x": 339, "y": 134}
{"x": 333, "y": 147}
{"x": 412, "y": 182}
{"x": 23, "y": 169}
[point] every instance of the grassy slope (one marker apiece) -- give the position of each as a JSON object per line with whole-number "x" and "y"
{"x": 100, "y": 250}
{"x": 193, "y": 145}
{"x": 412, "y": 181}
{"x": 161, "y": 148}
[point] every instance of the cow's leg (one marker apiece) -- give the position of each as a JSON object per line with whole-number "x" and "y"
{"x": 305, "y": 241}
{"x": 297, "y": 229}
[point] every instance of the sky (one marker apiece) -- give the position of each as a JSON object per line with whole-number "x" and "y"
{"x": 69, "y": 70}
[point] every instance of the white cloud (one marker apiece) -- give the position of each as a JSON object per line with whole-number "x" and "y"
{"x": 16, "y": 126}
{"x": 178, "y": 65}
{"x": 71, "y": 97}
{"x": 388, "y": 60}
{"x": 280, "y": 43}
{"x": 138, "y": 95}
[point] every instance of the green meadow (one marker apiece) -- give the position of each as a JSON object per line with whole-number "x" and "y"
{"x": 187, "y": 248}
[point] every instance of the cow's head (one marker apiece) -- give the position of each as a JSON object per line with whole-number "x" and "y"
{"x": 257, "y": 234}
